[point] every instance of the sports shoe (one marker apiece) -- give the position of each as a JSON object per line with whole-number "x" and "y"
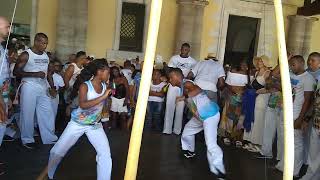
{"x": 188, "y": 154}
{"x": 254, "y": 149}
{"x": 30, "y": 146}
{"x": 8, "y": 139}
{"x": 263, "y": 157}
{"x": 2, "y": 172}
{"x": 221, "y": 176}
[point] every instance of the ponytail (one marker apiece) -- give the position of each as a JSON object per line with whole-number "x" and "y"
{"x": 86, "y": 74}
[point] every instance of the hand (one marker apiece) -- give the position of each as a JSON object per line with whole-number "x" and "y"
{"x": 180, "y": 98}
{"x": 3, "y": 113}
{"x": 41, "y": 74}
{"x": 304, "y": 126}
{"x": 298, "y": 123}
{"x": 53, "y": 93}
{"x": 126, "y": 102}
{"x": 107, "y": 93}
{"x": 261, "y": 91}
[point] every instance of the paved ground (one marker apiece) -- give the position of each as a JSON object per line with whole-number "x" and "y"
{"x": 160, "y": 159}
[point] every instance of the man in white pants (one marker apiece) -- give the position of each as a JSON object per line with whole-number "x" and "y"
{"x": 32, "y": 66}
{"x": 4, "y": 77}
{"x": 209, "y": 76}
{"x": 302, "y": 86}
{"x": 206, "y": 117}
{"x": 174, "y": 109}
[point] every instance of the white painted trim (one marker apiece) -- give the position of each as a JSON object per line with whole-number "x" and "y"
{"x": 116, "y": 42}
{"x": 34, "y": 19}
{"x": 255, "y": 11}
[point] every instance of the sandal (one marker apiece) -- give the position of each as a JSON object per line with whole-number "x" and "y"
{"x": 226, "y": 141}
{"x": 238, "y": 144}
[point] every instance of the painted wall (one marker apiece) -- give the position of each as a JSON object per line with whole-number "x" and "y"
{"x": 167, "y": 29}
{"x": 315, "y": 37}
{"x": 210, "y": 35}
{"x": 23, "y": 11}
{"x": 47, "y": 20}
{"x": 101, "y": 26}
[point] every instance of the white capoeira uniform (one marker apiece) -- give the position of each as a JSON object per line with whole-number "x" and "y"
{"x": 85, "y": 121}
{"x": 4, "y": 86}
{"x": 35, "y": 101}
{"x": 206, "y": 118}
{"x": 175, "y": 109}
{"x": 300, "y": 84}
{"x": 58, "y": 83}
{"x": 273, "y": 118}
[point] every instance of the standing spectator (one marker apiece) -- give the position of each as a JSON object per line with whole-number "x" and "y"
{"x": 4, "y": 80}
{"x": 302, "y": 86}
{"x": 231, "y": 125}
{"x": 155, "y": 102}
{"x": 32, "y": 66}
{"x": 175, "y": 109}
{"x": 206, "y": 79}
{"x": 256, "y": 134}
{"x": 119, "y": 99}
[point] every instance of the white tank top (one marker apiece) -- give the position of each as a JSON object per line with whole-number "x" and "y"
{"x": 76, "y": 72}
{"x": 92, "y": 115}
{"x": 36, "y": 63}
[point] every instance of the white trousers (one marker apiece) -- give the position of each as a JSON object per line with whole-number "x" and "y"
{"x": 34, "y": 101}
{"x": 214, "y": 152}
{"x": 70, "y": 136}
{"x": 313, "y": 172}
{"x": 272, "y": 124}
{"x": 55, "y": 104}
{"x": 173, "y": 110}
{"x": 298, "y": 153}
{"x": 259, "y": 119}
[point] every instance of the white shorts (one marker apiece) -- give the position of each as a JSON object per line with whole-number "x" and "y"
{"x": 117, "y": 105}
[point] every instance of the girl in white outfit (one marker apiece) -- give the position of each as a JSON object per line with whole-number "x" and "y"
{"x": 86, "y": 120}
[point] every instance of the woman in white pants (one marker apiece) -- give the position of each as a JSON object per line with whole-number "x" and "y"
{"x": 206, "y": 117}
{"x": 85, "y": 120}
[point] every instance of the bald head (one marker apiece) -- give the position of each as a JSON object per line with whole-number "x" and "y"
{"x": 4, "y": 28}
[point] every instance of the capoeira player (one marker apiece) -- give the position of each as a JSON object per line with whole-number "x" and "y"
{"x": 32, "y": 66}
{"x": 86, "y": 120}
{"x": 206, "y": 117}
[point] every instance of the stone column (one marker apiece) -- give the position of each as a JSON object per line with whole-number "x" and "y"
{"x": 189, "y": 25}
{"x": 299, "y": 34}
{"x": 71, "y": 27}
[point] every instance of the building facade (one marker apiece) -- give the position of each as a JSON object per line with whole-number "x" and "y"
{"x": 117, "y": 29}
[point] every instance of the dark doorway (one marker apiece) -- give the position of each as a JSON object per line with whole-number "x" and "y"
{"x": 242, "y": 38}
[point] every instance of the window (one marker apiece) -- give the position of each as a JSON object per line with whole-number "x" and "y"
{"x": 132, "y": 25}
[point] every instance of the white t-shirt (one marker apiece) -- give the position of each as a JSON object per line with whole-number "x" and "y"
{"x": 185, "y": 64}
{"x": 58, "y": 81}
{"x": 207, "y": 73}
{"x": 127, "y": 73}
{"x": 300, "y": 84}
{"x": 157, "y": 88}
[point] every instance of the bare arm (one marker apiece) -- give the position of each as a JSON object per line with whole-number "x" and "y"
{"x": 159, "y": 94}
{"x": 3, "y": 113}
{"x": 126, "y": 85}
{"x": 190, "y": 75}
{"x": 305, "y": 108}
{"x": 21, "y": 62}
{"x": 67, "y": 75}
{"x": 221, "y": 83}
{"x": 86, "y": 104}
